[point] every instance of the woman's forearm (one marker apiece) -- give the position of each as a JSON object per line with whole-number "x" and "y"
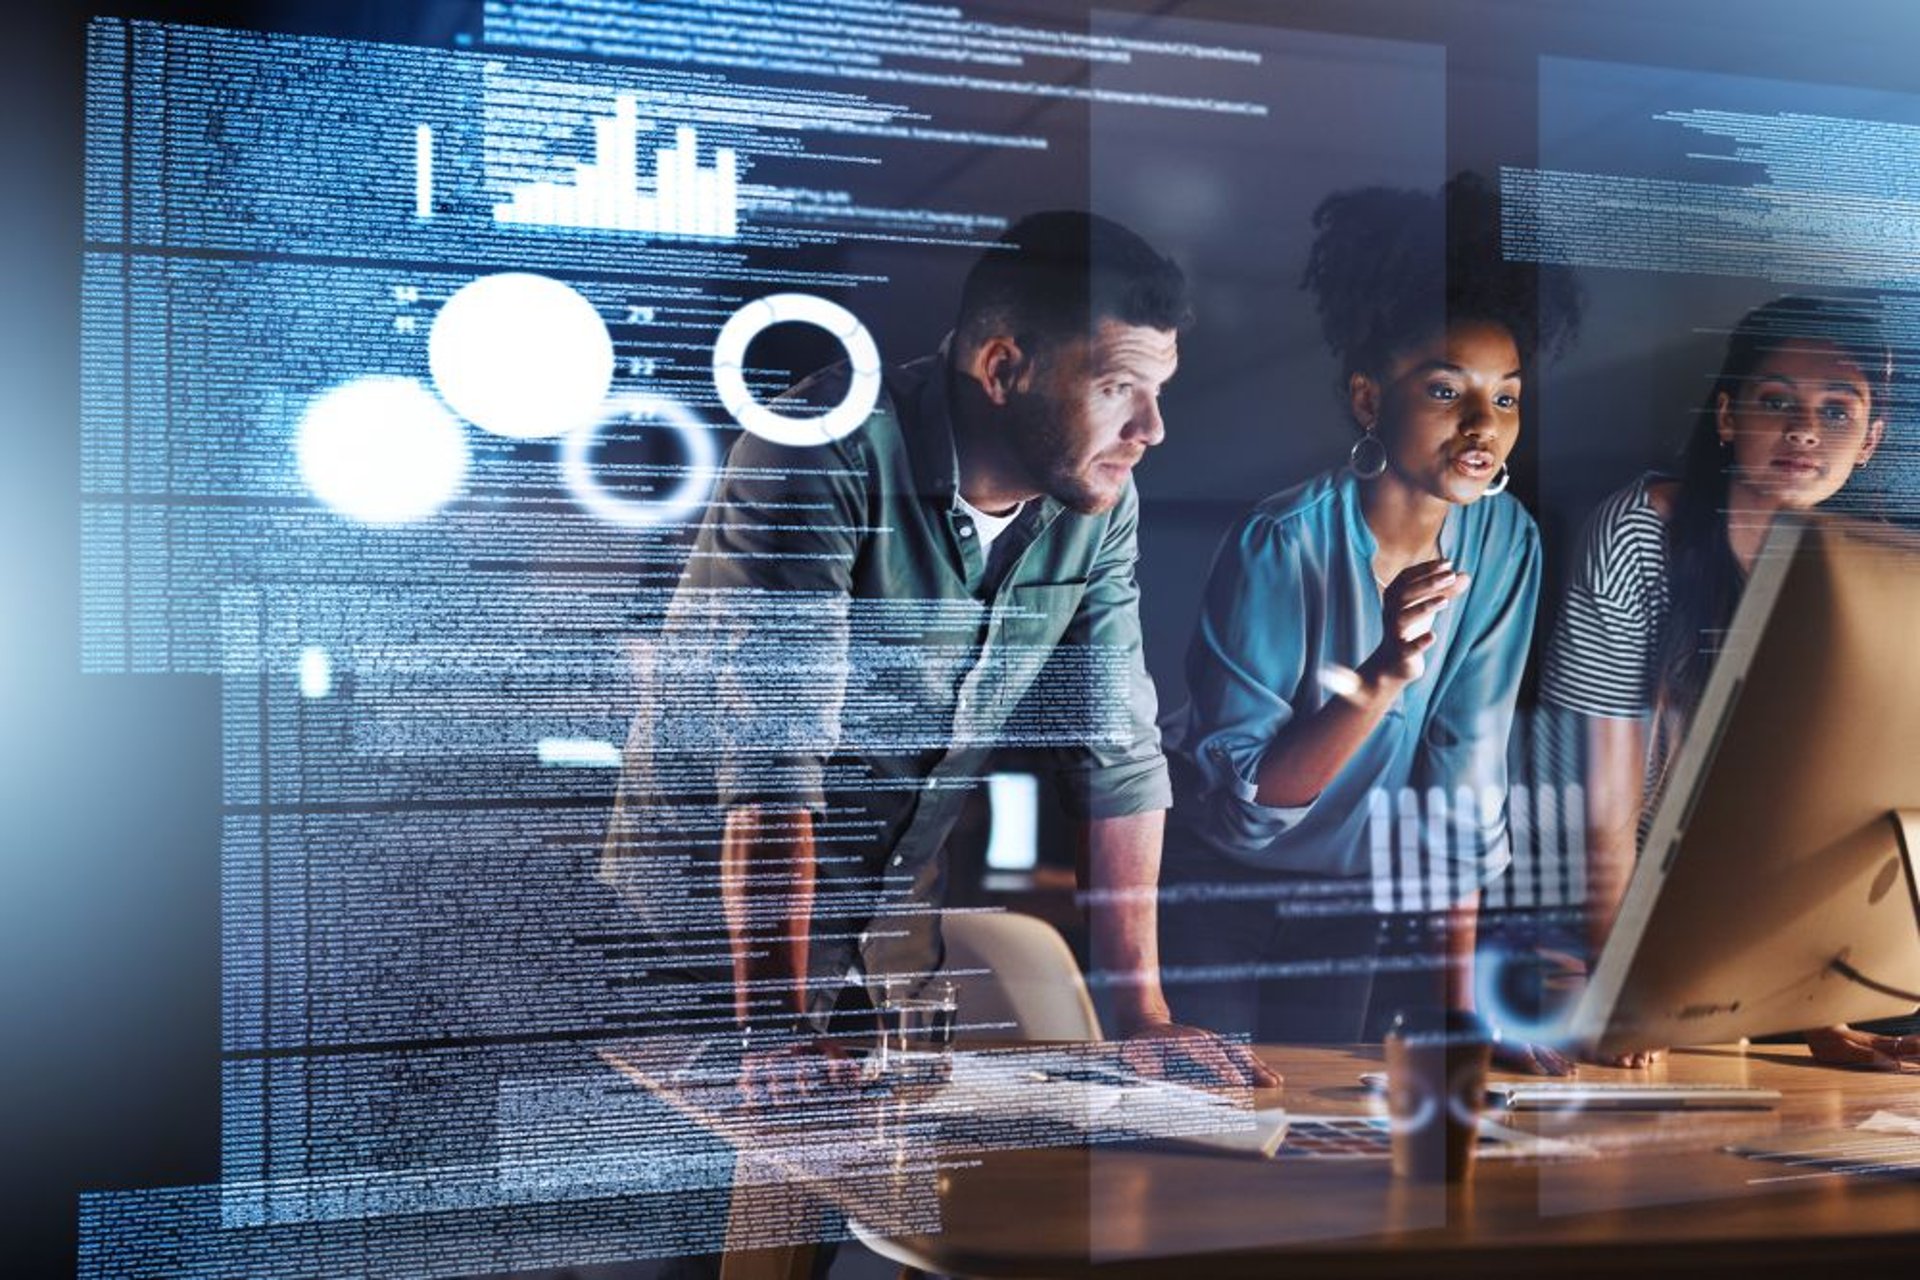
{"x": 1309, "y": 752}
{"x": 1615, "y": 772}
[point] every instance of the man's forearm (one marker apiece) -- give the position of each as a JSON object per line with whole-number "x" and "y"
{"x": 766, "y": 890}
{"x": 1123, "y": 875}
{"x": 1123, "y": 871}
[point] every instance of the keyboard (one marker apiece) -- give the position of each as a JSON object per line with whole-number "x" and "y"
{"x": 1840, "y": 1151}
{"x": 1360, "y": 1137}
{"x": 1615, "y": 1095}
{"x": 1612, "y": 1095}
{"x": 1336, "y": 1136}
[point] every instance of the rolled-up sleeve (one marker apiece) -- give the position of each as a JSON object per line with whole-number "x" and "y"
{"x": 1244, "y": 670}
{"x": 1463, "y": 747}
{"x": 1110, "y": 778}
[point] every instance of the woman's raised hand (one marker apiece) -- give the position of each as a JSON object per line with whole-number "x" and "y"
{"x": 1407, "y": 610}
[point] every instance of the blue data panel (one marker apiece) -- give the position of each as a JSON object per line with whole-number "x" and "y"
{"x": 1694, "y": 197}
{"x": 407, "y": 374}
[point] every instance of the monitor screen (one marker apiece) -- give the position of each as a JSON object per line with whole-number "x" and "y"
{"x": 1776, "y": 888}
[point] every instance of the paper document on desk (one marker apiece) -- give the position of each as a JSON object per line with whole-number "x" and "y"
{"x": 1105, "y": 1101}
{"x": 1890, "y": 1122}
{"x": 1262, "y": 1138}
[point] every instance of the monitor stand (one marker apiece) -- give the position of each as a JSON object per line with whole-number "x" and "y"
{"x": 1906, "y": 839}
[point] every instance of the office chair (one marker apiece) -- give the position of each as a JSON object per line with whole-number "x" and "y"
{"x": 1015, "y": 979}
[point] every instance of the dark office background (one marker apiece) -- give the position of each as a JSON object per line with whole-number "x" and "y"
{"x": 109, "y": 914}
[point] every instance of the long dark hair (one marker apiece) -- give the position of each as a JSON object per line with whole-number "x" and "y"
{"x": 1704, "y": 579}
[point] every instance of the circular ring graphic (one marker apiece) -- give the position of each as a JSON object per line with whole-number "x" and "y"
{"x": 1465, "y": 1087}
{"x": 1410, "y": 1107}
{"x": 746, "y": 324}
{"x": 687, "y": 498}
{"x": 1490, "y": 975}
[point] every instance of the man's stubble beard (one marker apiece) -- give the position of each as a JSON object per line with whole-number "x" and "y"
{"x": 1039, "y": 437}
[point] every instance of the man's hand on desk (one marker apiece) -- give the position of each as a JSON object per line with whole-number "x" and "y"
{"x": 1634, "y": 1059}
{"x": 792, "y": 1070}
{"x": 1530, "y": 1059}
{"x": 1160, "y": 1048}
{"x": 1851, "y": 1047}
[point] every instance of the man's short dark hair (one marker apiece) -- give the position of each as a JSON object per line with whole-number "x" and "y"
{"x": 1057, "y": 275}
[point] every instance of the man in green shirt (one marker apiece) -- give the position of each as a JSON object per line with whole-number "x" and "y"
{"x": 864, "y": 620}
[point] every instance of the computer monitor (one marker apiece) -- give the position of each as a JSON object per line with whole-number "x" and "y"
{"x": 1776, "y": 889}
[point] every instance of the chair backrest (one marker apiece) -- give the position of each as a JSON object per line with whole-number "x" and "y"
{"x": 1016, "y": 979}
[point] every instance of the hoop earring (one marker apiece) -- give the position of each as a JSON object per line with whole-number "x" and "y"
{"x": 1499, "y": 483}
{"x": 1368, "y": 457}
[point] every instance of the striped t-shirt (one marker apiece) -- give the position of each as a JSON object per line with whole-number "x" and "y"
{"x": 1600, "y": 661}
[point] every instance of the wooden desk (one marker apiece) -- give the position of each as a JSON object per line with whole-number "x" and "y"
{"x": 1658, "y": 1196}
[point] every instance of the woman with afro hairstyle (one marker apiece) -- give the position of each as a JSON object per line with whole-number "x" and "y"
{"x": 1362, "y": 639}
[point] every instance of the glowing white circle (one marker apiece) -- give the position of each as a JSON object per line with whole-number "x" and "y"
{"x": 746, "y": 324}
{"x": 521, "y": 356}
{"x": 688, "y": 498}
{"x": 381, "y": 450}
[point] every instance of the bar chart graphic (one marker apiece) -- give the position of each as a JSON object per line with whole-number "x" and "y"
{"x": 608, "y": 195}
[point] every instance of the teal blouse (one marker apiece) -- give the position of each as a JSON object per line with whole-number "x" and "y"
{"x": 1290, "y": 604}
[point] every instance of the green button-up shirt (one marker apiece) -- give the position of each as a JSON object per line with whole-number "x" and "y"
{"x": 838, "y": 643}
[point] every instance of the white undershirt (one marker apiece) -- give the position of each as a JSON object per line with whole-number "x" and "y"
{"x": 986, "y": 527}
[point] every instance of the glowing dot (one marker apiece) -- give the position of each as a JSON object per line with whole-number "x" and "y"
{"x": 521, "y": 356}
{"x": 381, "y": 450}
{"x": 1341, "y": 682}
{"x": 578, "y": 753}
{"x": 316, "y": 672}
{"x": 1013, "y": 838}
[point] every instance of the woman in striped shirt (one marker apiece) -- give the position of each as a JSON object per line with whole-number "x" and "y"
{"x": 1798, "y": 408}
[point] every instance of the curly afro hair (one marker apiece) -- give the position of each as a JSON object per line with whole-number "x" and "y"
{"x": 1390, "y": 265}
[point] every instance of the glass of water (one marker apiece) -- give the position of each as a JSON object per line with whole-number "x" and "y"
{"x": 918, "y": 1029}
